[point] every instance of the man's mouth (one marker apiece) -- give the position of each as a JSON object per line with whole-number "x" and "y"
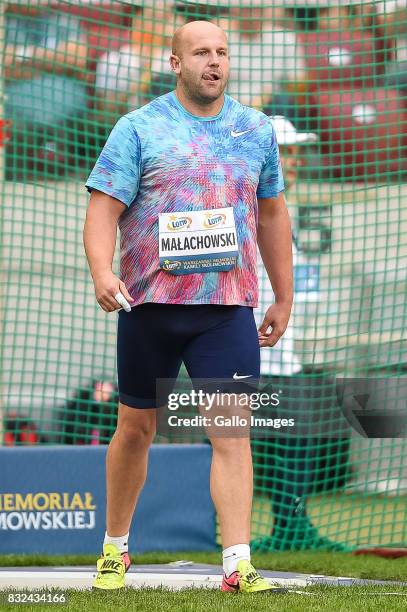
{"x": 211, "y": 76}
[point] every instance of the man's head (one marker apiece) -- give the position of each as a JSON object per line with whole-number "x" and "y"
{"x": 290, "y": 143}
{"x": 103, "y": 391}
{"x": 200, "y": 60}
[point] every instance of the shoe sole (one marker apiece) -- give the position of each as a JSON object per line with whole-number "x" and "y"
{"x": 268, "y": 591}
{"x": 274, "y": 590}
{"x": 94, "y": 588}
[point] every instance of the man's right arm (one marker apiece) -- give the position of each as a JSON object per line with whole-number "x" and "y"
{"x": 99, "y": 238}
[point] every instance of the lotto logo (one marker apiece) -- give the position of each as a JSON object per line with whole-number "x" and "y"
{"x": 214, "y": 220}
{"x": 178, "y": 223}
{"x": 171, "y": 265}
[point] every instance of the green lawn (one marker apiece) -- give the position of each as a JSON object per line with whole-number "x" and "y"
{"x": 345, "y": 518}
{"x": 319, "y": 597}
{"x": 196, "y": 600}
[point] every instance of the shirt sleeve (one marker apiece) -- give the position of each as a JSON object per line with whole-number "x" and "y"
{"x": 118, "y": 169}
{"x": 271, "y": 181}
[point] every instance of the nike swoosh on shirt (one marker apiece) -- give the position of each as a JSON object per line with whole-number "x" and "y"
{"x": 237, "y": 376}
{"x": 237, "y": 134}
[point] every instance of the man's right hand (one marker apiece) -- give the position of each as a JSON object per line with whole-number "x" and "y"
{"x": 106, "y": 287}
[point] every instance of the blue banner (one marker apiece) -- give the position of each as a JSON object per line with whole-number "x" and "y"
{"x": 52, "y": 500}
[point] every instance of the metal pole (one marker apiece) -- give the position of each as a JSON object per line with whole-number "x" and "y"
{"x": 3, "y": 131}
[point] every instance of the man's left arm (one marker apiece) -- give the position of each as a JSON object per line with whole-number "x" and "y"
{"x": 275, "y": 245}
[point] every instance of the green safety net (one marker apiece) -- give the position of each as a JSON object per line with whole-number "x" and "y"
{"x": 337, "y": 71}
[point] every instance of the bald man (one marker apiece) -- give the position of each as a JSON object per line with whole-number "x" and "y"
{"x": 193, "y": 179}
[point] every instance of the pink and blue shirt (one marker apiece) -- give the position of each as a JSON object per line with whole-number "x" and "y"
{"x": 162, "y": 159}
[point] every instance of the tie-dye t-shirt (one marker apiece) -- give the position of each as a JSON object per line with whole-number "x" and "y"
{"x": 161, "y": 159}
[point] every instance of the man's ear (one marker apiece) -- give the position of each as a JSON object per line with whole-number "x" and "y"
{"x": 175, "y": 63}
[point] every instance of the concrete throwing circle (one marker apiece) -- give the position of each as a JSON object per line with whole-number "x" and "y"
{"x": 176, "y": 575}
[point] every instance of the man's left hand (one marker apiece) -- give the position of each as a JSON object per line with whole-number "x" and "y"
{"x": 276, "y": 317}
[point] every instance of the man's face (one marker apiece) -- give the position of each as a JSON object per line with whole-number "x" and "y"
{"x": 291, "y": 159}
{"x": 102, "y": 391}
{"x": 203, "y": 66}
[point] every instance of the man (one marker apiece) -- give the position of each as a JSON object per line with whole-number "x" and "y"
{"x": 124, "y": 76}
{"x": 185, "y": 155}
{"x": 282, "y": 360}
{"x": 297, "y": 457}
{"x": 45, "y": 83}
{"x": 268, "y": 63}
{"x": 392, "y": 16}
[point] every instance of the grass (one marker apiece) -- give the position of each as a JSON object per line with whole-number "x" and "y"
{"x": 350, "y": 519}
{"x": 340, "y": 599}
{"x": 318, "y": 597}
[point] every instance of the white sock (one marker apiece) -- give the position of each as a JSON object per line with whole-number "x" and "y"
{"x": 121, "y": 542}
{"x": 232, "y": 555}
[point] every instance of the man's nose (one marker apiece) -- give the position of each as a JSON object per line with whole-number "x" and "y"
{"x": 214, "y": 59}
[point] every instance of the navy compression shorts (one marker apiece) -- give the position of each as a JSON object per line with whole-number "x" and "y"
{"x": 214, "y": 342}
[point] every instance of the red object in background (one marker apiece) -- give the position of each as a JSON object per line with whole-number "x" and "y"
{"x": 99, "y": 13}
{"x": 5, "y": 126}
{"x": 19, "y": 430}
{"x": 349, "y": 59}
{"x": 387, "y": 552}
{"x": 362, "y": 132}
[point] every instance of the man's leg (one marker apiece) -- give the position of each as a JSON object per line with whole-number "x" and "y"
{"x": 226, "y": 349}
{"x": 146, "y": 350}
{"x": 126, "y": 466}
{"x": 156, "y": 356}
{"x": 232, "y": 488}
{"x": 126, "y": 471}
{"x": 232, "y": 492}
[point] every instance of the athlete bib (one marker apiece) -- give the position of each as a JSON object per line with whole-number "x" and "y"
{"x": 198, "y": 241}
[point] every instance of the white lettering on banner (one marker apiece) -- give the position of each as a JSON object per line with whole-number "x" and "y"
{"x": 46, "y": 520}
{"x": 12, "y": 524}
{"x": 32, "y": 520}
{"x": 57, "y": 521}
{"x": 73, "y": 519}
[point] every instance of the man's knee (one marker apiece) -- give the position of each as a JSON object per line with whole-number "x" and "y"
{"x": 136, "y": 426}
{"x": 230, "y": 445}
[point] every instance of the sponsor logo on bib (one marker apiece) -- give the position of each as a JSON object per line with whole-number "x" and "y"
{"x": 170, "y": 266}
{"x": 178, "y": 223}
{"x": 214, "y": 220}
